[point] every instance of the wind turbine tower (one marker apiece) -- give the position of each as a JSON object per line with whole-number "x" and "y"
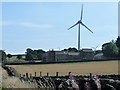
{"x": 79, "y": 22}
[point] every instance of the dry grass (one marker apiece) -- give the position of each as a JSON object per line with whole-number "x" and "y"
{"x": 82, "y": 68}
{"x": 14, "y": 82}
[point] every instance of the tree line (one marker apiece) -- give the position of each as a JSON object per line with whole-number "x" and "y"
{"x": 31, "y": 54}
{"x": 109, "y": 49}
{"x": 4, "y": 56}
{"x": 37, "y": 54}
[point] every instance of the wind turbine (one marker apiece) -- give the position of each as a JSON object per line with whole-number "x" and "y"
{"x": 80, "y": 23}
{"x": 95, "y": 47}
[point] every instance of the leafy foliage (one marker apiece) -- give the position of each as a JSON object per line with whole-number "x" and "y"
{"x": 110, "y": 49}
{"x": 19, "y": 57}
{"x": 118, "y": 43}
{"x": 34, "y": 54}
{"x": 71, "y": 50}
{"x": 9, "y": 56}
{"x": 3, "y": 55}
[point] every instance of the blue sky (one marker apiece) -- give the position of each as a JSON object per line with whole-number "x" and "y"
{"x": 39, "y": 25}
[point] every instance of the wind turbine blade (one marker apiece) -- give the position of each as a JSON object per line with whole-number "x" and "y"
{"x": 73, "y": 26}
{"x": 96, "y": 46}
{"x": 86, "y": 27}
{"x": 81, "y": 12}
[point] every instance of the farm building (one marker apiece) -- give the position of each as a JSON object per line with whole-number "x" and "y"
{"x": 66, "y": 56}
{"x": 86, "y": 54}
{"x": 49, "y": 56}
{"x": 58, "y": 56}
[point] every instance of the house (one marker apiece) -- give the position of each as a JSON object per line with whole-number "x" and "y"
{"x": 66, "y": 56}
{"x": 86, "y": 54}
{"x": 49, "y": 56}
{"x": 61, "y": 56}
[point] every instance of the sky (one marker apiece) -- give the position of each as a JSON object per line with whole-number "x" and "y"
{"x": 119, "y": 18}
{"x": 43, "y": 25}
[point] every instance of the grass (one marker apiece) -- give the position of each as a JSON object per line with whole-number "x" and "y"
{"x": 13, "y": 82}
{"x": 81, "y": 68}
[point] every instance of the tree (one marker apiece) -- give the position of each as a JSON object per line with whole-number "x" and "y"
{"x": 29, "y": 50}
{"x": 110, "y": 49}
{"x": 40, "y": 53}
{"x": 19, "y": 57}
{"x": 34, "y": 54}
{"x": 29, "y": 56}
{"x": 64, "y": 50}
{"x": 118, "y": 43}
{"x": 2, "y": 55}
{"x": 98, "y": 51}
{"x": 70, "y": 50}
{"x": 9, "y": 56}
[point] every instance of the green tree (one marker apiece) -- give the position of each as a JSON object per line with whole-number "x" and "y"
{"x": 118, "y": 43}
{"x": 40, "y": 53}
{"x": 29, "y": 54}
{"x": 110, "y": 49}
{"x": 19, "y": 57}
{"x": 34, "y": 54}
{"x": 2, "y": 55}
{"x": 65, "y": 50}
{"x": 9, "y": 56}
{"x": 70, "y": 50}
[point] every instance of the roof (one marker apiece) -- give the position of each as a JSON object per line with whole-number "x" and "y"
{"x": 66, "y": 52}
{"x": 87, "y": 50}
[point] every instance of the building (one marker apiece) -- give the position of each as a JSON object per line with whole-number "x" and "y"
{"x": 61, "y": 56}
{"x": 86, "y": 54}
{"x": 66, "y": 56}
{"x": 49, "y": 56}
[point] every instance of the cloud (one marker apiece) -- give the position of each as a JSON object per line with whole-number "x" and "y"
{"x": 33, "y": 25}
{"x": 6, "y": 23}
{"x": 26, "y": 24}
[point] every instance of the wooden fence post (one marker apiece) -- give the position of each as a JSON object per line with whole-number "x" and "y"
{"x": 40, "y": 74}
{"x": 26, "y": 75}
{"x": 20, "y": 76}
{"x": 56, "y": 74}
{"x": 35, "y": 74}
{"x": 47, "y": 74}
{"x": 30, "y": 75}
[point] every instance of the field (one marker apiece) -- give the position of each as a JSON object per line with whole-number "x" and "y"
{"x": 81, "y": 68}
